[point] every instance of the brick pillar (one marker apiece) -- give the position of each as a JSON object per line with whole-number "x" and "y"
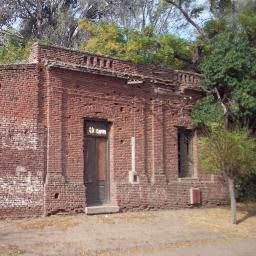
{"x": 158, "y": 172}
{"x": 54, "y": 173}
{"x": 60, "y": 195}
{"x": 54, "y": 142}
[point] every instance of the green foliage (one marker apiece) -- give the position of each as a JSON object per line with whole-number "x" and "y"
{"x": 207, "y": 112}
{"x": 214, "y": 27}
{"x": 14, "y": 51}
{"x": 138, "y": 46}
{"x": 228, "y": 62}
{"x": 106, "y": 39}
{"x": 246, "y": 187}
{"x": 231, "y": 68}
{"x": 228, "y": 152}
{"x": 220, "y": 7}
{"x": 247, "y": 20}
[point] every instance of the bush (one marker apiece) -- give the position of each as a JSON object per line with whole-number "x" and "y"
{"x": 246, "y": 188}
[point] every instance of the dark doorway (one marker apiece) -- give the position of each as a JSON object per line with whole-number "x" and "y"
{"x": 96, "y": 163}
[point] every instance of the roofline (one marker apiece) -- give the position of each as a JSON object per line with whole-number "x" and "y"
{"x": 39, "y": 44}
{"x": 98, "y": 71}
{"x": 18, "y": 66}
{"x": 80, "y": 68}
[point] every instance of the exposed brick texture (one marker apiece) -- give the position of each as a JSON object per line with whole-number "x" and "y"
{"x": 43, "y": 106}
{"x": 21, "y": 148}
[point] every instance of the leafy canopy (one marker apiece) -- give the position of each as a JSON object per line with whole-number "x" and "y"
{"x": 138, "y": 46}
{"x": 231, "y": 68}
{"x": 14, "y": 50}
{"x": 230, "y": 152}
{"x": 207, "y": 112}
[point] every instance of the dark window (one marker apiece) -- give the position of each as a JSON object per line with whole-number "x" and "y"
{"x": 185, "y": 152}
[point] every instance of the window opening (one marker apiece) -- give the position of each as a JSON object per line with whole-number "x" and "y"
{"x": 185, "y": 152}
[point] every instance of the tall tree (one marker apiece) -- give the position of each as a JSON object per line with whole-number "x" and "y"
{"x": 57, "y": 21}
{"x": 138, "y": 14}
{"x": 190, "y": 11}
{"x": 52, "y": 20}
{"x": 230, "y": 153}
{"x": 230, "y": 74}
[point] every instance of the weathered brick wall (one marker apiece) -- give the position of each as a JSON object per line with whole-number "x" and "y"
{"x": 133, "y": 110}
{"x": 42, "y": 135}
{"x": 42, "y": 53}
{"x": 63, "y": 191}
{"x": 21, "y": 162}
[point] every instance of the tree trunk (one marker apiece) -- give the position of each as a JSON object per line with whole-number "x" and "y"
{"x": 232, "y": 200}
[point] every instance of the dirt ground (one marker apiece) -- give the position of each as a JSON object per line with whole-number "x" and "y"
{"x": 192, "y": 232}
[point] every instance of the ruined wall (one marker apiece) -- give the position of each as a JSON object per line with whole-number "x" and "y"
{"x": 21, "y": 163}
{"x": 43, "y": 53}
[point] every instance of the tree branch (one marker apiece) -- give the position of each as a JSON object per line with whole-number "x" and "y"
{"x": 4, "y": 32}
{"x": 25, "y": 7}
{"x": 225, "y": 109}
{"x": 187, "y": 17}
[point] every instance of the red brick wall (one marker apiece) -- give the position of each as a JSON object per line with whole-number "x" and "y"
{"x": 42, "y": 136}
{"x": 21, "y": 154}
{"x": 81, "y": 95}
{"x": 41, "y": 53}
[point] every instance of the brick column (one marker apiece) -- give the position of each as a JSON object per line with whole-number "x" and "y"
{"x": 54, "y": 140}
{"x": 59, "y": 194}
{"x": 158, "y": 172}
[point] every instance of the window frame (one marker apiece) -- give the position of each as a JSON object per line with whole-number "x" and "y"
{"x": 193, "y": 174}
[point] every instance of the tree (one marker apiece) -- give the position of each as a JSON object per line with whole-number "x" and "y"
{"x": 138, "y": 46}
{"x": 207, "y": 112}
{"x": 230, "y": 72}
{"x": 139, "y": 14}
{"x": 230, "y": 153}
{"x": 227, "y": 60}
{"x": 14, "y": 50}
{"x": 190, "y": 12}
{"x": 56, "y": 21}
{"x": 218, "y": 12}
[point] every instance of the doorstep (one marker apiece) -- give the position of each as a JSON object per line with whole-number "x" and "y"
{"x": 101, "y": 209}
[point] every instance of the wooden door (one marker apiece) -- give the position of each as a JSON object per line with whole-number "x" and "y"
{"x": 96, "y": 170}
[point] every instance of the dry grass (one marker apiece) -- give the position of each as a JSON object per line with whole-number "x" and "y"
{"x": 57, "y": 222}
{"x": 10, "y": 251}
{"x": 218, "y": 220}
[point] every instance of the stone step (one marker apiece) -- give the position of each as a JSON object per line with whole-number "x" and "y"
{"x": 101, "y": 209}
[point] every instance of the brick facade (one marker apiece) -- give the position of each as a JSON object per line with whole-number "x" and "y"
{"x": 43, "y": 106}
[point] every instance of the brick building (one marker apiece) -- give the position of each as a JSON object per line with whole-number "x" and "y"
{"x": 86, "y": 133}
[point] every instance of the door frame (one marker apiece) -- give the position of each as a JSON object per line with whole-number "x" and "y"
{"x": 107, "y": 137}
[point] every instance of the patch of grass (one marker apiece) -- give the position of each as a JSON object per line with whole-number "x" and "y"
{"x": 58, "y": 222}
{"x": 218, "y": 220}
{"x": 10, "y": 251}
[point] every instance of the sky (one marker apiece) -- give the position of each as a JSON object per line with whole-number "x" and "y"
{"x": 189, "y": 32}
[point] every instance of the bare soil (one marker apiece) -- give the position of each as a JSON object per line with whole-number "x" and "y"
{"x": 190, "y": 232}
